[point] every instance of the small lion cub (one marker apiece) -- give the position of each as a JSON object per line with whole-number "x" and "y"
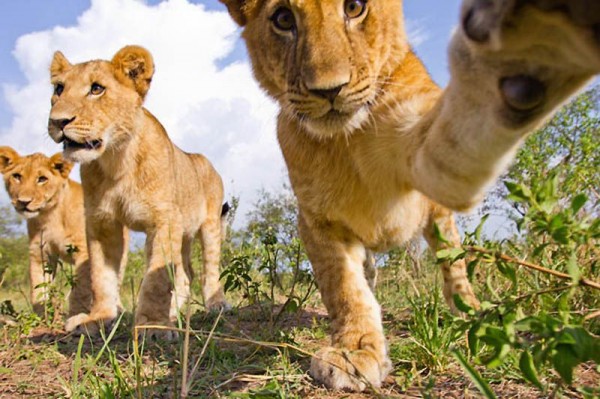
{"x": 134, "y": 177}
{"x": 40, "y": 190}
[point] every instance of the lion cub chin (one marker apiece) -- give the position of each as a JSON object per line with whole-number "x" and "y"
{"x": 134, "y": 177}
{"x": 40, "y": 190}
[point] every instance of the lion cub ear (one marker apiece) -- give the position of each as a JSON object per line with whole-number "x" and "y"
{"x": 134, "y": 66}
{"x": 8, "y": 157}
{"x": 241, "y": 10}
{"x": 59, "y": 64}
{"x": 58, "y": 163}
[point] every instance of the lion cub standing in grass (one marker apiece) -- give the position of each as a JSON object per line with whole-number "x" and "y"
{"x": 377, "y": 153}
{"x": 134, "y": 177}
{"x": 40, "y": 190}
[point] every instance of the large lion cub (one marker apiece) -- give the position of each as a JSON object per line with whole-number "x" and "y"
{"x": 377, "y": 153}
{"x": 134, "y": 177}
{"x": 40, "y": 190}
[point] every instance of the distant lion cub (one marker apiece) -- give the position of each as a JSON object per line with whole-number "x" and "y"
{"x": 133, "y": 176}
{"x": 40, "y": 190}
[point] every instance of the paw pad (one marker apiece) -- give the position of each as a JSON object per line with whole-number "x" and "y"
{"x": 522, "y": 92}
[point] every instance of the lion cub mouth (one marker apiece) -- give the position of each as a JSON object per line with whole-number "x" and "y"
{"x": 69, "y": 144}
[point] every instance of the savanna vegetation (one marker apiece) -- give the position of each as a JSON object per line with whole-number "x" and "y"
{"x": 537, "y": 334}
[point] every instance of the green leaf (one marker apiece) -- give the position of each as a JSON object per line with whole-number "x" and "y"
{"x": 578, "y": 202}
{"x": 564, "y": 361}
{"x": 462, "y": 305}
{"x": 561, "y": 235}
{"x": 529, "y": 370}
{"x": 497, "y": 358}
{"x": 471, "y": 269}
{"x": 473, "y": 338}
{"x": 479, "y": 228}
{"x": 479, "y": 382}
{"x": 450, "y": 254}
{"x": 582, "y": 343}
{"x": 508, "y": 271}
{"x": 439, "y": 235}
{"x": 518, "y": 192}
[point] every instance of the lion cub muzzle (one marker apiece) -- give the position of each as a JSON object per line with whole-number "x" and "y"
{"x": 56, "y": 127}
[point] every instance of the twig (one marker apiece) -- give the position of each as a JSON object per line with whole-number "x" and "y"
{"x": 582, "y": 281}
{"x": 548, "y": 291}
{"x": 592, "y": 315}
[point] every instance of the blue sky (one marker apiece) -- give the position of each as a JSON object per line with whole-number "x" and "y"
{"x": 202, "y": 91}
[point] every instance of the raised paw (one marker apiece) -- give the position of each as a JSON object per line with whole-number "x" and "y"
{"x": 350, "y": 370}
{"x": 483, "y": 20}
{"x": 526, "y": 57}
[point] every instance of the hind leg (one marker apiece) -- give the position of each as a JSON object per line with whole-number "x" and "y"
{"x": 183, "y": 277}
{"x": 455, "y": 274}
{"x": 210, "y": 237}
{"x": 370, "y": 270}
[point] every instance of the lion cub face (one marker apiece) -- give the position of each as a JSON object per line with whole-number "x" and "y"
{"x": 33, "y": 181}
{"x": 323, "y": 60}
{"x": 95, "y": 104}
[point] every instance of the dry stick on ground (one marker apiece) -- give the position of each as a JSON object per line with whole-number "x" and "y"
{"x": 592, "y": 315}
{"x": 499, "y": 255}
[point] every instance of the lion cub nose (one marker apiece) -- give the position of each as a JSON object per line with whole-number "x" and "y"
{"x": 22, "y": 203}
{"x": 61, "y": 123}
{"x": 328, "y": 94}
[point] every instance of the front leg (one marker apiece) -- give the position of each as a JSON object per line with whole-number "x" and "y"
{"x": 357, "y": 357}
{"x": 107, "y": 246}
{"x": 513, "y": 63}
{"x": 166, "y": 285}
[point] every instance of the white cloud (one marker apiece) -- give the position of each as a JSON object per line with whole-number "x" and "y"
{"x": 219, "y": 112}
{"x": 417, "y": 32}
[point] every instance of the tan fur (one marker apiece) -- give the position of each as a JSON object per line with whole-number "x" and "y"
{"x": 138, "y": 179}
{"x": 377, "y": 153}
{"x": 40, "y": 190}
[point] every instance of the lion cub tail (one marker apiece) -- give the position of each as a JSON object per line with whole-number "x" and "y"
{"x": 224, "y": 222}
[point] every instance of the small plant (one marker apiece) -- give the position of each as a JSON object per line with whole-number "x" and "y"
{"x": 432, "y": 335}
{"x": 268, "y": 265}
{"x": 59, "y": 278}
{"x": 517, "y": 324}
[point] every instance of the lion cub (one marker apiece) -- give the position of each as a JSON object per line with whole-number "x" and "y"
{"x": 134, "y": 177}
{"x": 40, "y": 190}
{"x": 378, "y": 154}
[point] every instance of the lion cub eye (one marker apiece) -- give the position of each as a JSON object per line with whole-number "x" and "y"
{"x": 354, "y": 8}
{"x": 42, "y": 179}
{"x": 283, "y": 19}
{"x": 96, "y": 89}
{"x": 17, "y": 177}
{"x": 58, "y": 88}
